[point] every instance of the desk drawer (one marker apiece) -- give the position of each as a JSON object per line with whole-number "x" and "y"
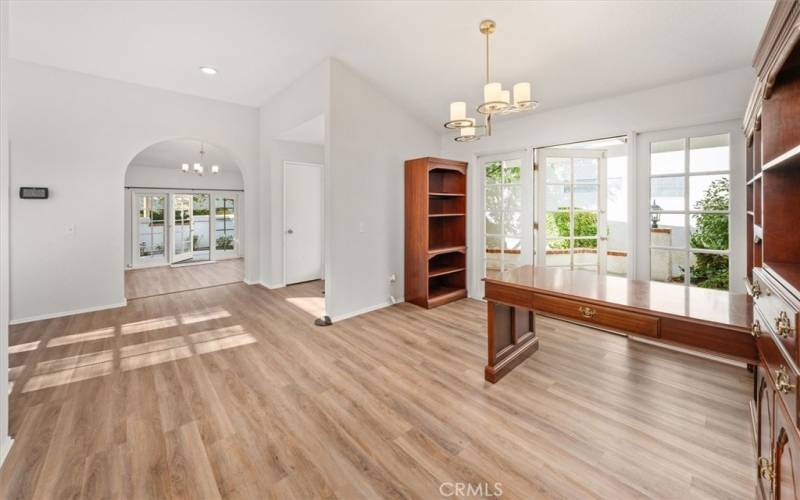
{"x": 778, "y": 312}
{"x": 509, "y": 295}
{"x": 601, "y": 316}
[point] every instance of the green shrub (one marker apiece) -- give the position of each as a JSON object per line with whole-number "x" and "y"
{"x": 557, "y": 224}
{"x": 708, "y": 270}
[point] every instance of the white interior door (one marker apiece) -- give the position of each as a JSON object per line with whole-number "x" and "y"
{"x": 302, "y": 231}
{"x": 181, "y": 228}
{"x": 149, "y": 236}
{"x": 572, "y": 197}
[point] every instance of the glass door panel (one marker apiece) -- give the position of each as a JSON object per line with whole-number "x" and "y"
{"x": 503, "y": 229}
{"x": 573, "y": 200}
{"x": 149, "y": 223}
{"x": 201, "y": 226}
{"x": 225, "y": 240}
{"x": 182, "y": 243}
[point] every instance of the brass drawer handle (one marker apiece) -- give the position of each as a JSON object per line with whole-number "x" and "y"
{"x": 754, "y": 289}
{"x": 765, "y": 469}
{"x": 783, "y": 326}
{"x": 756, "y": 332}
{"x": 587, "y": 312}
{"x": 782, "y": 380}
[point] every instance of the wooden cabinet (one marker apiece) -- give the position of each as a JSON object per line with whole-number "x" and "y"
{"x": 435, "y": 231}
{"x": 772, "y": 127}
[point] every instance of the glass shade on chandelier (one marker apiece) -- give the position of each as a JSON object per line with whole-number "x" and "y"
{"x": 197, "y": 168}
{"x": 495, "y": 101}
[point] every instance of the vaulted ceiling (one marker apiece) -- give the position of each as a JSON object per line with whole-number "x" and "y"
{"x": 422, "y": 54}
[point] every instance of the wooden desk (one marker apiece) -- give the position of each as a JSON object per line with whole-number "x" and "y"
{"x": 713, "y": 321}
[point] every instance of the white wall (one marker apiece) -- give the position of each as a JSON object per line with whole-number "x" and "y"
{"x": 369, "y": 138}
{"x": 5, "y": 441}
{"x": 76, "y": 134}
{"x": 306, "y": 98}
{"x": 171, "y": 178}
{"x": 710, "y": 99}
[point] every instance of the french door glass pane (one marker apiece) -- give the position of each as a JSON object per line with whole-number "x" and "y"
{"x": 224, "y": 222}
{"x": 710, "y": 153}
{"x": 494, "y": 172}
{"x": 585, "y": 223}
{"x": 667, "y": 265}
{"x": 512, "y": 200}
{"x": 512, "y": 224}
{"x": 151, "y": 239}
{"x": 586, "y": 197}
{"x": 671, "y": 230}
{"x": 709, "y": 192}
{"x": 557, "y": 224}
{"x": 667, "y": 157}
{"x": 709, "y": 271}
{"x": 557, "y": 253}
{"x": 667, "y": 193}
{"x": 709, "y": 231}
{"x": 557, "y": 197}
{"x": 557, "y": 170}
{"x": 494, "y": 222}
{"x": 201, "y": 225}
{"x": 585, "y": 253}
{"x": 587, "y": 170}
{"x": 512, "y": 171}
{"x": 183, "y": 224}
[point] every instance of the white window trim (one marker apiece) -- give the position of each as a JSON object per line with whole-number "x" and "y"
{"x": 737, "y": 240}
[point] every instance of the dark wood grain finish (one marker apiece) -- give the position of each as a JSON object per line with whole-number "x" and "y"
{"x": 712, "y": 321}
{"x": 779, "y": 311}
{"x": 436, "y": 231}
{"x": 599, "y": 316}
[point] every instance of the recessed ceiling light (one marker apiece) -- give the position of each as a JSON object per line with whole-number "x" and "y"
{"x": 208, "y": 70}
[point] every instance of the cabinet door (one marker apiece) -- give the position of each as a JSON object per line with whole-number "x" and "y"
{"x": 786, "y": 458}
{"x": 765, "y": 406}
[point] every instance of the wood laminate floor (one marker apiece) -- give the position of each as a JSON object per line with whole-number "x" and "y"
{"x": 165, "y": 279}
{"x": 231, "y": 392}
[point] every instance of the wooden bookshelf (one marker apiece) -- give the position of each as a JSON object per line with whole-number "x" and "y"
{"x": 436, "y": 231}
{"x": 772, "y": 128}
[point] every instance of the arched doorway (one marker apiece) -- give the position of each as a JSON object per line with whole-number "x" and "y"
{"x": 184, "y": 206}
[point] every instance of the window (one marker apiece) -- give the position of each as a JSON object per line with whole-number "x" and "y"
{"x": 690, "y": 211}
{"x": 225, "y": 222}
{"x": 150, "y": 227}
{"x": 503, "y": 213}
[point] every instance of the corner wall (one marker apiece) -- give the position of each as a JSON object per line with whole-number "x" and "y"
{"x": 76, "y": 134}
{"x": 369, "y": 138}
{"x": 306, "y": 98}
{"x": 5, "y": 440}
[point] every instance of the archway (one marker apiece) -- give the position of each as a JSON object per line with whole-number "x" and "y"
{"x": 184, "y": 206}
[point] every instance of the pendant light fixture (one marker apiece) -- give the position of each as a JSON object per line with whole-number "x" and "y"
{"x": 198, "y": 168}
{"x": 495, "y": 101}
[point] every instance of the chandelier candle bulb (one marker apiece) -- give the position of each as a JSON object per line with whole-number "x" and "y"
{"x": 505, "y": 96}
{"x": 196, "y": 167}
{"x": 492, "y": 92}
{"x": 185, "y": 168}
{"x": 214, "y": 169}
{"x": 458, "y": 110}
{"x": 522, "y": 92}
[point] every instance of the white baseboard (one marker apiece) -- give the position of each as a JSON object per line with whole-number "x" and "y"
{"x": 5, "y": 447}
{"x": 359, "y": 312}
{"x": 251, "y": 282}
{"x": 40, "y": 317}
{"x": 273, "y": 286}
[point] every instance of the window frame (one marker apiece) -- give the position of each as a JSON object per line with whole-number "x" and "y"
{"x": 736, "y": 207}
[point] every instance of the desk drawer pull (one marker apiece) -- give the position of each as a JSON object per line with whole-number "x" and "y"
{"x": 782, "y": 381}
{"x": 756, "y": 329}
{"x": 587, "y": 312}
{"x": 783, "y": 326}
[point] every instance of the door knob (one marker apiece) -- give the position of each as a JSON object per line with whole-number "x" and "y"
{"x": 290, "y": 231}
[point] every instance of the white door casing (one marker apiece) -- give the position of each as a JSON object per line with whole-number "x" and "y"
{"x": 302, "y": 223}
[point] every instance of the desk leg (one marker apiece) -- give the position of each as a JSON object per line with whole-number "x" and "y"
{"x": 511, "y": 339}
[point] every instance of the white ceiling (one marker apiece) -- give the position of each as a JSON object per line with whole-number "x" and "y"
{"x": 423, "y": 54}
{"x": 311, "y": 132}
{"x": 173, "y": 153}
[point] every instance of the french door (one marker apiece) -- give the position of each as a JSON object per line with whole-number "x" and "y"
{"x": 572, "y": 208}
{"x": 149, "y": 235}
{"x": 182, "y": 228}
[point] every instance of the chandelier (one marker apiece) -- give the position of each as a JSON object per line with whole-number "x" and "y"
{"x": 495, "y": 101}
{"x": 198, "y": 168}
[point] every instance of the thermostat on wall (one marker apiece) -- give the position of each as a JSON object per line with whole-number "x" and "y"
{"x": 33, "y": 193}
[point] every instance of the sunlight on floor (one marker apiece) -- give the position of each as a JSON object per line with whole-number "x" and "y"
{"x": 182, "y": 344}
{"x": 315, "y": 306}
